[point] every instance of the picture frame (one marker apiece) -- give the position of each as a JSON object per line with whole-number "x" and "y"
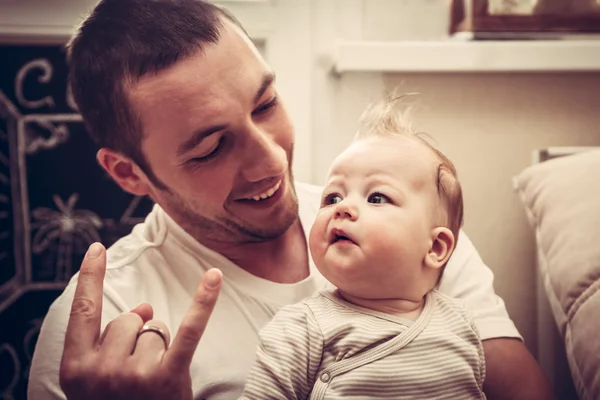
{"x": 517, "y": 19}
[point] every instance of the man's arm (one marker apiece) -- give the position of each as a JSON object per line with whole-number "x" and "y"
{"x": 512, "y": 373}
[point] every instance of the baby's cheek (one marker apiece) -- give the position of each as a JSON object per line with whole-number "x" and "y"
{"x": 316, "y": 237}
{"x": 383, "y": 243}
{"x": 380, "y": 236}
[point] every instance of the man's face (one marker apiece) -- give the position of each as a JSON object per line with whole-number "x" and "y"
{"x": 219, "y": 138}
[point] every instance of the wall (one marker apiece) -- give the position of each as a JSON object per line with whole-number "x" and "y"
{"x": 489, "y": 124}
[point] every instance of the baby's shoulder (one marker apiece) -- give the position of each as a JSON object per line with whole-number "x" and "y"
{"x": 452, "y": 314}
{"x": 303, "y": 307}
{"x": 451, "y": 307}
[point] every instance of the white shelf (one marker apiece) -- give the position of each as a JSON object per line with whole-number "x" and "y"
{"x": 468, "y": 56}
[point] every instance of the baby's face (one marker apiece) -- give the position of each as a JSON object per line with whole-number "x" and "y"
{"x": 377, "y": 214}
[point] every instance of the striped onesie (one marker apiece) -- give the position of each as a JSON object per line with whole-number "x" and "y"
{"x": 327, "y": 348}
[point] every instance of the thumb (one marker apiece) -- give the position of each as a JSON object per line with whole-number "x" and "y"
{"x": 179, "y": 355}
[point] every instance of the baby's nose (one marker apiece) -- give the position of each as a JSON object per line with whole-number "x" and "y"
{"x": 345, "y": 209}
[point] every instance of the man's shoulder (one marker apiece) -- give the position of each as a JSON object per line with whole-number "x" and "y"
{"x": 145, "y": 236}
{"x": 127, "y": 250}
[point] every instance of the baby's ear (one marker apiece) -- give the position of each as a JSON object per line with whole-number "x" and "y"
{"x": 441, "y": 247}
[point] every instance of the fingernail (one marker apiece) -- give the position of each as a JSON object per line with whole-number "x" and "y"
{"x": 212, "y": 279}
{"x": 94, "y": 251}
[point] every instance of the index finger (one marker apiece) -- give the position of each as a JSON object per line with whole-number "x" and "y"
{"x": 179, "y": 355}
{"x": 83, "y": 329}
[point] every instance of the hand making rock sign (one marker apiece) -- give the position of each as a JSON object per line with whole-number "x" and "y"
{"x": 134, "y": 357}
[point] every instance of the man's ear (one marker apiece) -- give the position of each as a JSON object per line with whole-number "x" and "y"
{"x": 441, "y": 247}
{"x": 124, "y": 171}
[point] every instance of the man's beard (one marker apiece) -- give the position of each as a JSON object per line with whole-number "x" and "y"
{"x": 225, "y": 230}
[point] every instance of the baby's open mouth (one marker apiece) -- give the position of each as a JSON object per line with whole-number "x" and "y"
{"x": 339, "y": 236}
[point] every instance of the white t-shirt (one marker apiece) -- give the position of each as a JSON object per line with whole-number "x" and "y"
{"x": 160, "y": 264}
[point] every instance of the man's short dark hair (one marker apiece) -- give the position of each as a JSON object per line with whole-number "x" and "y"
{"x": 122, "y": 41}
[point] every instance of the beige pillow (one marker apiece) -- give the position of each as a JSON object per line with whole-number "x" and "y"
{"x": 562, "y": 201}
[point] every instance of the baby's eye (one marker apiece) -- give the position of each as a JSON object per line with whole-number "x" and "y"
{"x": 332, "y": 198}
{"x": 378, "y": 198}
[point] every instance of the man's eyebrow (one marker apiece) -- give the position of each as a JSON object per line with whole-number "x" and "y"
{"x": 199, "y": 136}
{"x": 266, "y": 82}
{"x": 196, "y": 138}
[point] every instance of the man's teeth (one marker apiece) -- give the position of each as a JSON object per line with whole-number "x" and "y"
{"x": 268, "y": 193}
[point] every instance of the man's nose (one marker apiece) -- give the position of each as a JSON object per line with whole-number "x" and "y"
{"x": 345, "y": 209}
{"x": 265, "y": 158}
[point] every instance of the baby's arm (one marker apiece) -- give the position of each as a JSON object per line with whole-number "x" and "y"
{"x": 288, "y": 356}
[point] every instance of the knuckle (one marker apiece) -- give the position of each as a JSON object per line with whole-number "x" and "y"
{"x": 189, "y": 332}
{"x": 83, "y": 307}
{"x": 70, "y": 372}
{"x": 86, "y": 272}
{"x": 133, "y": 376}
{"x": 109, "y": 372}
{"x": 203, "y": 299}
{"x": 159, "y": 324}
{"x": 74, "y": 375}
{"x": 162, "y": 326}
{"x": 125, "y": 320}
{"x": 138, "y": 376}
{"x": 148, "y": 381}
{"x": 129, "y": 320}
{"x": 135, "y": 318}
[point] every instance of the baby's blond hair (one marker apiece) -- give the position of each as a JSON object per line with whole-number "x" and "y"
{"x": 387, "y": 119}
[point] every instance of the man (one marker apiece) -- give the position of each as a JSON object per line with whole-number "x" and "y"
{"x": 185, "y": 110}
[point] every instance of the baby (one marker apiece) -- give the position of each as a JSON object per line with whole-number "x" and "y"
{"x": 390, "y": 216}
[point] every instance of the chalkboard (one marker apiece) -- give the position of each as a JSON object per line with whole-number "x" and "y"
{"x": 55, "y": 200}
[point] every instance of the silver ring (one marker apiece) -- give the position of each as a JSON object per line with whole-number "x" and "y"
{"x": 155, "y": 329}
